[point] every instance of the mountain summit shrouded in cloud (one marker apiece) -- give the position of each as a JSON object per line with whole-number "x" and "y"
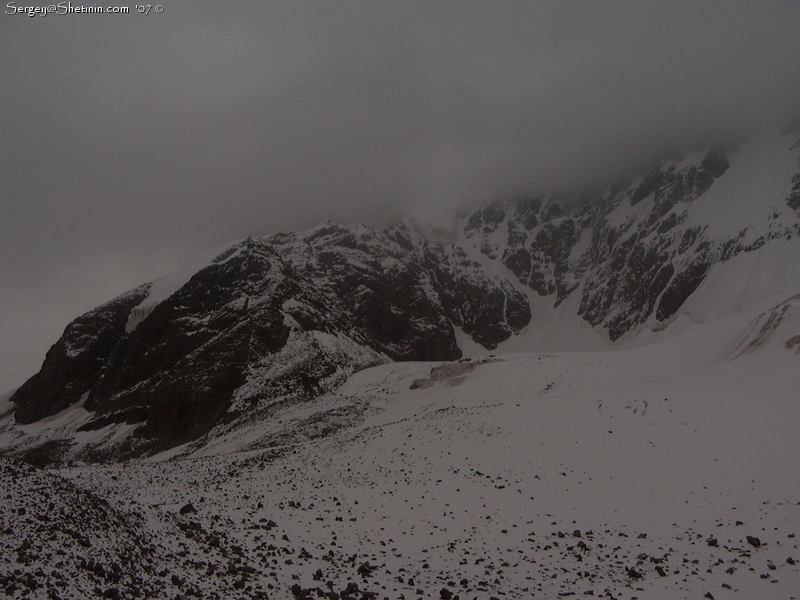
{"x": 132, "y": 142}
{"x": 289, "y": 317}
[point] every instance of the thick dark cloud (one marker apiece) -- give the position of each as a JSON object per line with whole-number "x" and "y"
{"x": 131, "y": 142}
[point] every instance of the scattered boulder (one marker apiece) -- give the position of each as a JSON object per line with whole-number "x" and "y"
{"x": 633, "y": 573}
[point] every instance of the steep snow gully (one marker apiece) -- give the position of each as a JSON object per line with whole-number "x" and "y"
{"x": 560, "y": 398}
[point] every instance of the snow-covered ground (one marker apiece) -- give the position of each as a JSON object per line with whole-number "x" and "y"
{"x": 636, "y": 473}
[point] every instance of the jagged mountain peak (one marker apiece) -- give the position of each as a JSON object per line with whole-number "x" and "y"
{"x": 288, "y": 317}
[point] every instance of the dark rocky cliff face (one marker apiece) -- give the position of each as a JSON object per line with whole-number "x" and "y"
{"x": 288, "y": 317}
{"x": 278, "y": 319}
{"x": 633, "y": 255}
{"x": 74, "y": 362}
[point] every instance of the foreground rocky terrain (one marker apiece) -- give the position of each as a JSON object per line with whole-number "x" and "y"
{"x": 632, "y": 474}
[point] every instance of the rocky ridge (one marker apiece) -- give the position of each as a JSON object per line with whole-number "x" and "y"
{"x": 288, "y": 317}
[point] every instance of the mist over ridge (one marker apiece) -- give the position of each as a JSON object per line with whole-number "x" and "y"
{"x": 133, "y": 144}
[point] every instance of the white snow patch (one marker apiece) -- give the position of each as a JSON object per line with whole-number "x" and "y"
{"x": 167, "y": 285}
{"x": 754, "y": 187}
{"x": 750, "y": 282}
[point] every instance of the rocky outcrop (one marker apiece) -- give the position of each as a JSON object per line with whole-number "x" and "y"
{"x": 283, "y": 318}
{"x": 632, "y": 254}
{"x": 74, "y": 362}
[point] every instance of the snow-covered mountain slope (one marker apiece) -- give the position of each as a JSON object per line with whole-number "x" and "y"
{"x": 318, "y": 414}
{"x": 667, "y": 471}
{"x": 629, "y": 258}
{"x": 289, "y": 317}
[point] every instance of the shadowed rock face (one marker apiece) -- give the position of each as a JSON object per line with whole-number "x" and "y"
{"x": 72, "y": 365}
{"x": 793, "y": 200}
{"x": 288, "y": 317}
{"x": 280, "y": 319}
{"x": 628, "y": 267}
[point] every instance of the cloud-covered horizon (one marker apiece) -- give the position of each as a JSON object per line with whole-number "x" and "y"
{"x": 132, "y": 142}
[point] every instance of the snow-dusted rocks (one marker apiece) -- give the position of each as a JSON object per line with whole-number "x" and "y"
{"x": 524, "y": 475}
{"x": 632, "y": 255}
{"x": 279, "y": 319}
{"x": 74, "y": 362}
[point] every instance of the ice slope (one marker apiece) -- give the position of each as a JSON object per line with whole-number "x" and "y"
{"x": 753, "y": 282}
{"x": 751, "y": 195}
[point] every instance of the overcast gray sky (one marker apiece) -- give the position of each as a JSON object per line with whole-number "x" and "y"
{"x": 132, "y": 142}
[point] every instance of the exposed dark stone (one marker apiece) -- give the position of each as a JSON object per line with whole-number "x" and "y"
{"x": 633, "y": 573}
{"x": 73, "y": 363}
{"x": 647, "y": 187}
{"x": 129, "y": 416}
{"x": 492, "y": 216}
{"x": 753, "y": 541}
{"x": 680, "y": 288}
{"x": 489, "y": 313}
{"x": 715, "y": 163}
{"x": 668, "y": 223}
{"x": 473, "y": 223}
{"x": 47, "y": 454}
{"x": 793, "y": 200}
{"x": 519, "y": 262}
{"x": 552, "y": 210}
{"x": 527, "y": 211}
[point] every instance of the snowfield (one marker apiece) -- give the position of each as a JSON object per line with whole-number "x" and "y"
{"x": 664, "y": 471}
